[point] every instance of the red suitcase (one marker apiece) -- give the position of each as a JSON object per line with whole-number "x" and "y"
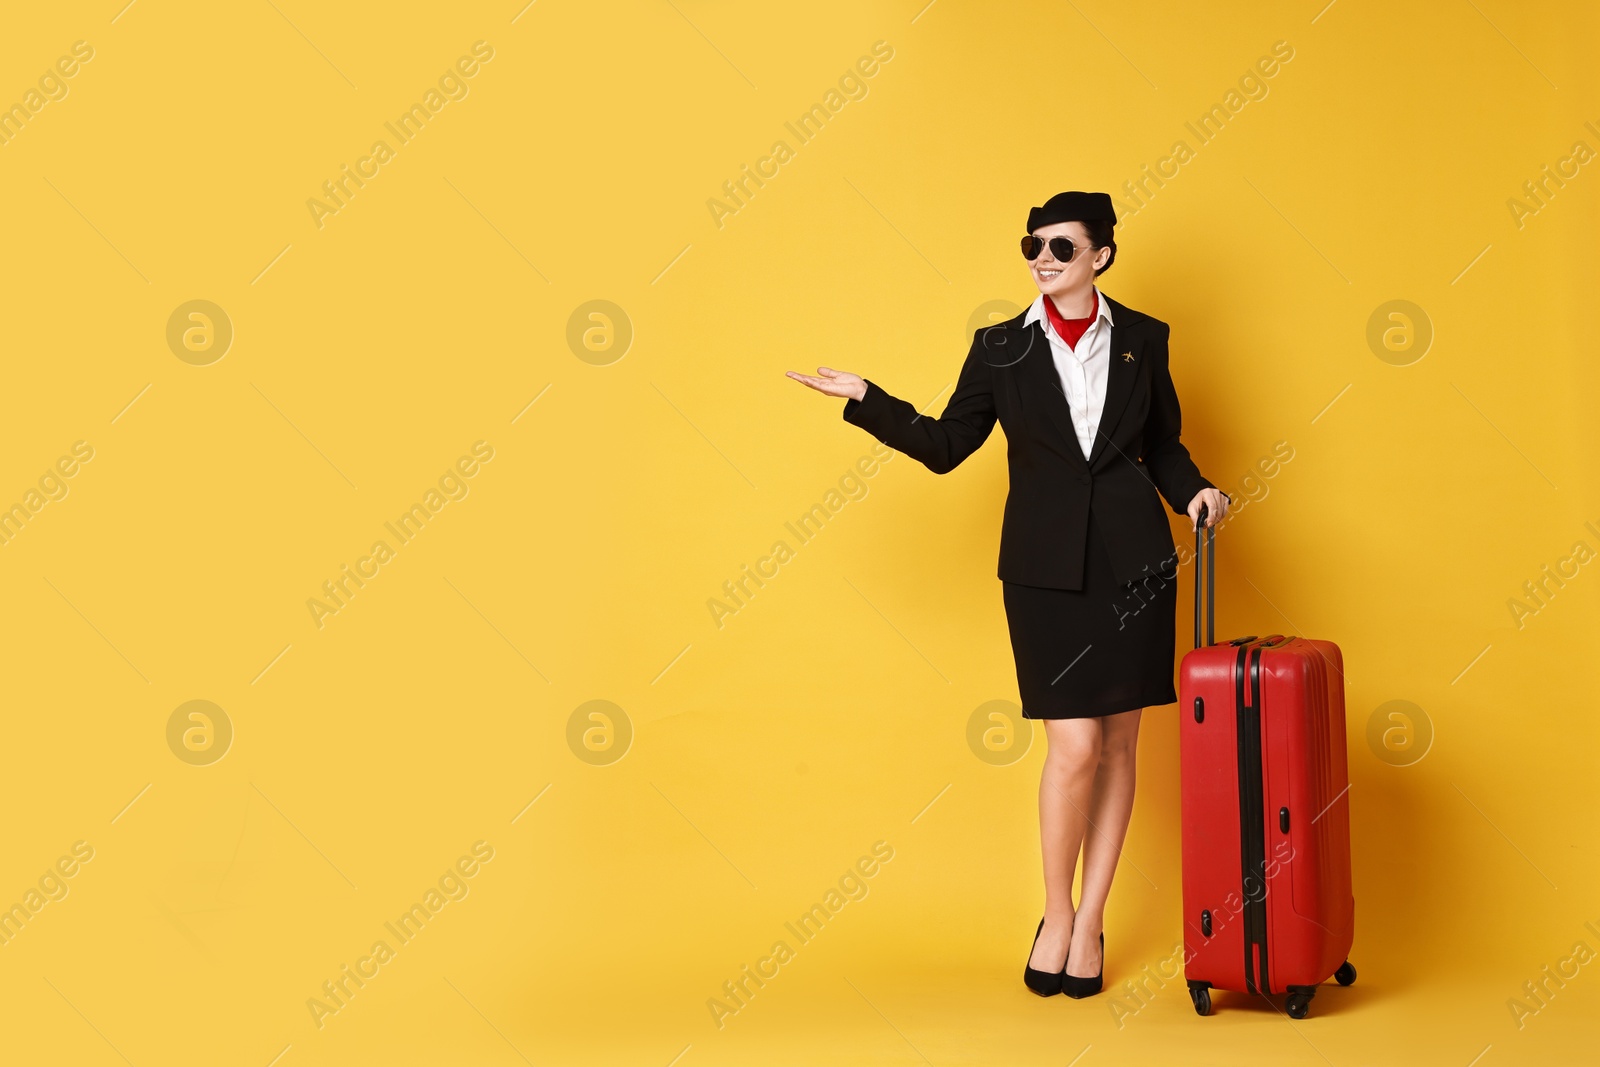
{"x": 1267, "y": 903}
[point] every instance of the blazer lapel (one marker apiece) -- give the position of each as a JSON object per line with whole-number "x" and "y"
{"x": 1119, "y": 386}
{"x": 1044, "y": 381}
{"x": 1120, "y": 376}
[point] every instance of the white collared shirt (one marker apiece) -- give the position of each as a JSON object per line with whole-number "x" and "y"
{"x": 1082, "y": 370}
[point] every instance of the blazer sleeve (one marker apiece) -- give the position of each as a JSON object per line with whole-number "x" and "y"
{"x": 940, "y": 444}
{"x": 1165, "y": 457}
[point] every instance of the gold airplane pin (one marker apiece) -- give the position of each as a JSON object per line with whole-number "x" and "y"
{"x": 1128, "y": 357}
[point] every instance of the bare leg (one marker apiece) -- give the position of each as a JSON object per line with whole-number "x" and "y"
{"x": 1065, "y": 793}
{"x": 1110, "y": 809}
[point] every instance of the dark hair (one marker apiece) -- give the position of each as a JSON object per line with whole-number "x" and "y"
{"x": 1102, "y": 234}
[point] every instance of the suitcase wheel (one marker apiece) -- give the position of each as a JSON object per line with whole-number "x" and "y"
{"x": 1345, "y": 974}
{"x": 1202, "y": 1001}
{"x": 1299, "y": 1005}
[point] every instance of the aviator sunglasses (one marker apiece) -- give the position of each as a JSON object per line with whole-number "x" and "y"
{"x": 1060, "y": 247}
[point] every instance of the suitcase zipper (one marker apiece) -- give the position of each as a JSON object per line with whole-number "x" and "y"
{"x": 1251, "y": 818}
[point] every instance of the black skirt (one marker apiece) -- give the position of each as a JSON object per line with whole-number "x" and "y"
{"x": 1100, "y": 650}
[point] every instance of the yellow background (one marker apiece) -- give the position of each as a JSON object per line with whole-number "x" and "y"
{"x": 831, "y": 711}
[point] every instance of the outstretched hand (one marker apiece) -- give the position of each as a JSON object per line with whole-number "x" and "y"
{"x": 1216, "y": 502}
{"x": 833, "y": 382}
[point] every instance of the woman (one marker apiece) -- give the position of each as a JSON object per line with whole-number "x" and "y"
{"x": 1088, "y": 567}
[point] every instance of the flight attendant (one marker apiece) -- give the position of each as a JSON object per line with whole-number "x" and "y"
{"x": 1081, "y": 385}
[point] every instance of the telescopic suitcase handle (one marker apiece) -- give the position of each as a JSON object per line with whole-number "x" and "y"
{"x": 1210, "y": 558}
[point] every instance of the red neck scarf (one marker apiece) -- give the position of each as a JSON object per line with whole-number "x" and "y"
{"x": 1070, "y": 330}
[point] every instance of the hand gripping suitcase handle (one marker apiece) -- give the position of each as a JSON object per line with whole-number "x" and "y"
{"x": 1209, "y": 557}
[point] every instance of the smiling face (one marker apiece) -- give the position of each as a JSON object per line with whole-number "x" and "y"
{"x": 1056, "y": 279}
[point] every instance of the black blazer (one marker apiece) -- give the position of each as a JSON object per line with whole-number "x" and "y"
{"x": 1009, "y": 374}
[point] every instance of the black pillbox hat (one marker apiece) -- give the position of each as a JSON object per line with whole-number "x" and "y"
{"x": 1073, "y": 206}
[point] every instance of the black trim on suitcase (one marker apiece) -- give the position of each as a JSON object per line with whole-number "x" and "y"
{"x": 1252, "y": 838}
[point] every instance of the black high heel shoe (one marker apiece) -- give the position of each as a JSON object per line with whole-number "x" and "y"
{"x": 1077, "y": 988}
{"x": 1044, "y": 983}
